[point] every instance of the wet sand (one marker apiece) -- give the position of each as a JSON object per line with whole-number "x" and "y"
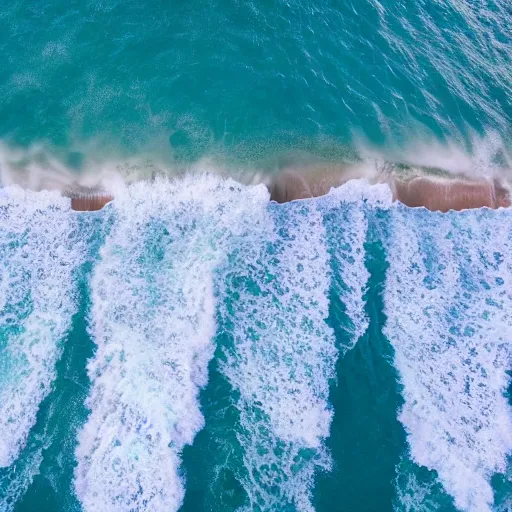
{"x": 444, "y": 195}
{"x": 303, "y": 183}
{"x": 90, "y": 203}
{"x": 85, "y": 199}
{"x": 436, "y": 193}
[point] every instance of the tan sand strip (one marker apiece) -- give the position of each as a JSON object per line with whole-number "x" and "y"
{"x": 90, "y": 203}
{"x": 84, "y": 199}
{"x": 434, "y": 193}
{"x": 444, "y": 194}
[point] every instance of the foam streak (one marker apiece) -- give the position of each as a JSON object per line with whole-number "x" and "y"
{"x": 448, "y": 304}
{"x": 39, "y": 253}
{"x": 153, "y": 322}
{"x": 346, "y": 210}
{"x": 282, "y": 354}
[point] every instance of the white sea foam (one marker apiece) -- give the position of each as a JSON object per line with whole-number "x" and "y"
{"x": 15, "y": 479}
{"x": 416, "y": 494}
{"x": 489, "y": 156}
{"x": 505, "y": 507}
{"x": 449, "y": 318}
{"x": 40, "y": 251}
{"x": 281, "y": 354}
{"x": 153, "y": 321}
{"x": 346, "y": 210}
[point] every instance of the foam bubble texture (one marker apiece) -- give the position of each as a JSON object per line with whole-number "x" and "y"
{"x": 40, "y": 248}
{"x": 418, "y": 489}
{"x": 153, "y": 322}
{"x": 416, "y": 496}
{"x": 449, "y": 317}
{"x": 281, "y": 354}
{"x": 346, "y": 210}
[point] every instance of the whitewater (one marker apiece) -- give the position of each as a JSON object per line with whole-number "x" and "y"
{"x": 210, "y": 308}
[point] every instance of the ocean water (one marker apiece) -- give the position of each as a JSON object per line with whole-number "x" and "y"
{"x": 248, "y": 87}
{"x": 195, "y": 346}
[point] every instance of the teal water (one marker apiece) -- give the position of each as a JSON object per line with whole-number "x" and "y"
{"x": 255, "y": 84}
{"x": 195, "y": 346}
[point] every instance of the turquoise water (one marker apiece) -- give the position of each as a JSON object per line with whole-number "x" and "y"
{"x": 195, "y": 346}
{"x": 256, "y": 84}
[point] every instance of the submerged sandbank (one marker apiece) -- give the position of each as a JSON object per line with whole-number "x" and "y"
{"x": 432, "y": 192}
{"x": 435, "y": 192}
{"x": 431, "y": 177}
{"x": 90, "y": 203}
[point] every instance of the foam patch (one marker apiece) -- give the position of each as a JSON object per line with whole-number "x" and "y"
{"x": 447, "y": 301}
{"x": 281, "y": 354}
{"x": 153, "y": 322}
{"x": 40, "y": 249}
{"x": 346, "y": 210}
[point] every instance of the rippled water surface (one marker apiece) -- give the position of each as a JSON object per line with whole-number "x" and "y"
{"x": 195, "y": 346}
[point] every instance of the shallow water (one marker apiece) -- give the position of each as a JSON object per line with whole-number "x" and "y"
{"x": 245, "y": 355}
